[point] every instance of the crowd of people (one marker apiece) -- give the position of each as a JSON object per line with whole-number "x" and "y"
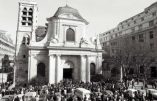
{"x": 65, "y": 91}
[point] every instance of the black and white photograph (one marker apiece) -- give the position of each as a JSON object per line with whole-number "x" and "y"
{"x": 78, "y": 50}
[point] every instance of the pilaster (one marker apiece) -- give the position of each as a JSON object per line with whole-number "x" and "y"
{"x": 59, "y": 70}
{"x": 88, "y": 68}
{"x": 32, "y": 67}
{"x": 83, "y": 68}
{"x": 52, "y": 65}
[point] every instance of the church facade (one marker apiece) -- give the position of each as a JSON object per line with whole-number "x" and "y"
{"x": 63, "y": 53}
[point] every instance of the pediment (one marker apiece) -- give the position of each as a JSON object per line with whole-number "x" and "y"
{"x": 68, "y": 16}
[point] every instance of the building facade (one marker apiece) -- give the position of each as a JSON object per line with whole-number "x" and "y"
{"x": 134, "y": 40}
{"x": 6, "y": 46}
{"x": 62, "y": 53}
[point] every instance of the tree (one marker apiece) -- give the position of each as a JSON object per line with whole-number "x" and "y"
{"x": 6, "y": 64}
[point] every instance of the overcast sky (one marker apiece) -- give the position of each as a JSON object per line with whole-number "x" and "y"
{"x": 101, "y": 14}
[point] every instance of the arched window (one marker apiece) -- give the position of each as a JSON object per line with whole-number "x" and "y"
{"x": 30, "y": 12}
{"x": 92, "y": 69}
{"x": 24, "y": 12}
{"x": 70, "y": 35}
{"x": 24, "y": 16}
{"x": 26, "y": 40}
{"x": 41, "y": 70}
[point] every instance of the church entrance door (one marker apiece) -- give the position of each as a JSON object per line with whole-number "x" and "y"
{"x": 67, "y": 73}
{"x": 68, "y": 70}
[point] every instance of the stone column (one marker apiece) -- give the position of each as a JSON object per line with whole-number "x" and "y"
{"x": 58, "y": 69}
{"x": 32, "y": 67}
{"x": 88, "y": 69}
{"x": 83, "y": 69}
{"x": 52, "y": 65}
{"x": 29, "y": 67}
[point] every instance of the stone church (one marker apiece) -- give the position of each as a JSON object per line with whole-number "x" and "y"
{"x": 63, "y": 53}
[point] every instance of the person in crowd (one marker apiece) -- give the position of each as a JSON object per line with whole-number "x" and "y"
{"x": 17, "y": 99}
{"x": 65, "y": 91}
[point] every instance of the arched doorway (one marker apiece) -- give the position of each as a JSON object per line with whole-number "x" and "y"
{"x": 41, "y": 70}
{"x": 92, "y": 69}
{"x": 68, "y": 70}
{"x": 153, "y": 71}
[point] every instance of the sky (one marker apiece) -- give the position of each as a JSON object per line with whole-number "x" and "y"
{"x": 102, "y": 15}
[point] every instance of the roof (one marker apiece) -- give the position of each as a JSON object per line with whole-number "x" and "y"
{"x": 152, "y": 5}
{"x": 83, "y": 90}
{"x": 28, "y": 1}
{"x": 30, "y": 94}
{"x": 69, "y": 10}
{"x": 5, "y": 37}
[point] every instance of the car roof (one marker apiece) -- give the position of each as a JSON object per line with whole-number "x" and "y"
{"x": 132, "y": 90}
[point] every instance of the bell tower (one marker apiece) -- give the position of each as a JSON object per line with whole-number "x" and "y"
{"x": 26, "y": 25}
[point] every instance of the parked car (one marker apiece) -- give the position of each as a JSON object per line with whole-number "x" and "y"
{"x": 81, "y": 93}
{"x": 7, "y": 98}
{"x": 153, "y": 92}
{"x": 131, "y": 92}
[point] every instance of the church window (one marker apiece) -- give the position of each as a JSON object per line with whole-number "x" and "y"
{"x": 70, "y": 35}
{"x": 30, "y": 19}
{"x": 23, "y": 23}
{"x": 27, "y": 17}
{"x": 30, "y": 12}
{"x": 24, "y": 11}
{"x": 24, "y": 19}
{"x": 30, "y": 23}
{"x": 26, "y": 41}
